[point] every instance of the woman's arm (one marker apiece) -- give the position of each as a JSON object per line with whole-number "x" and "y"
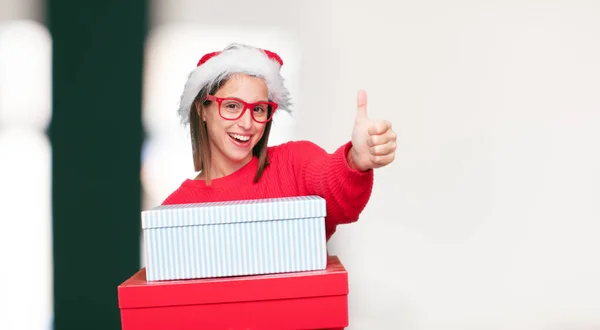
{"x": 345, "y": 189}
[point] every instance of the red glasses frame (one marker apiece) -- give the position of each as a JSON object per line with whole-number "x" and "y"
{"x": 247, "y": 106}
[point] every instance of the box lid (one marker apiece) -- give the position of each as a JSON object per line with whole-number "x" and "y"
{"x": 136, "y": 292}
{"x": 177, "y": 215}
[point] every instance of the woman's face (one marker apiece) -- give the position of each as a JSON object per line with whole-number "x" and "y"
{"x": 232, "y": 141}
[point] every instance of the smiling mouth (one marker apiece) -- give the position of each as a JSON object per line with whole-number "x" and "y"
{"x": 240, "y": 138}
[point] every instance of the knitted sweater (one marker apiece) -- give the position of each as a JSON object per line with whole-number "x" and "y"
{"x": 298, "y": 168}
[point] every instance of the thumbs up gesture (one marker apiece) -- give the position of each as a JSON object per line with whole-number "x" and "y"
{"x": 373, "y": 142}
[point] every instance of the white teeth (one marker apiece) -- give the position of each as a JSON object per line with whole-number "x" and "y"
{"x": 240, "y": 137}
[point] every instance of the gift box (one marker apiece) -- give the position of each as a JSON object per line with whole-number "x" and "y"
{"x": 234, "y": 238}
{"x": 301, "y": 300}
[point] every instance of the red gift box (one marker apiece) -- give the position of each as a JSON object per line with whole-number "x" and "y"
{"x": 300, "y": 300}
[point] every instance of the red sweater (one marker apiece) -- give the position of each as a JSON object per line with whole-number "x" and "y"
{"x": 297, "y": 168}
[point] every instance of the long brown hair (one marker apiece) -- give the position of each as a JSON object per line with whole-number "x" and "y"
{"x": 199, "y": 134}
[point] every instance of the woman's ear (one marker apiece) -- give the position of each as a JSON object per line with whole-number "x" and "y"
{"x": 200, "y": 110}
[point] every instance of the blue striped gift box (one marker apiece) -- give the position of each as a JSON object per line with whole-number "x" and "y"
{"x": 264, "y": 236}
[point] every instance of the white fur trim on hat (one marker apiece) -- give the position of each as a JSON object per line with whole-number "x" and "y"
{"x": 235, "y": 58}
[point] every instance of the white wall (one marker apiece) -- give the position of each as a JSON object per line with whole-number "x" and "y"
{"x": 488, "y": 219}
{"x": 25, "y": 169}
{"x": 21, "y": 9}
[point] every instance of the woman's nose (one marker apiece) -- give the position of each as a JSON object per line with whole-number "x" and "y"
{"x": 246, "y": 120}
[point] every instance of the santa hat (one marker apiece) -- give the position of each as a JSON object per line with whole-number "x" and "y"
{"x": 236, "y": 58}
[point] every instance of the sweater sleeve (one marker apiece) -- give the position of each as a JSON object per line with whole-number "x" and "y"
{"x": 345, "y": 190}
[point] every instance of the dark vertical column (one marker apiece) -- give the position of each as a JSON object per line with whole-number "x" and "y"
{"x": 96, "y": 135}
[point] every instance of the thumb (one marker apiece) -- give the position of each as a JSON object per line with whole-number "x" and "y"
{"x": 361, "y": 105}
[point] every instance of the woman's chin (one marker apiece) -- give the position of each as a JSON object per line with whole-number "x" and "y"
{"x": 237, "y": 156}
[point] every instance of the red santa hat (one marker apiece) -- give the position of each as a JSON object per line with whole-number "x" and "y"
{"x": 236, "y": 58}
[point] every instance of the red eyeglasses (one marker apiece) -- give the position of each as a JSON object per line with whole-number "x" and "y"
{"x": 231, "y": 108}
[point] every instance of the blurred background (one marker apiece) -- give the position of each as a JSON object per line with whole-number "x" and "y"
{"x": 488, "y": 219}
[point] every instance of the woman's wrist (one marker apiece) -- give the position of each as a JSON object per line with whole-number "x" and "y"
{"x": 350, "y": 160}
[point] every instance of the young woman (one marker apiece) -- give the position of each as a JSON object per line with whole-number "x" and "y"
{"x": 229, "y": 101}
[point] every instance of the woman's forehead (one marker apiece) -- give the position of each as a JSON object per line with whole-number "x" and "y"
{"x": 244, "y": 87}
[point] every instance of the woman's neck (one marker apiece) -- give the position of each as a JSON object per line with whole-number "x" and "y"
{"x": 219, "y": 168}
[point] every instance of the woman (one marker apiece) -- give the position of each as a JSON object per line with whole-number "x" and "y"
{"x": 229, "y": 101}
